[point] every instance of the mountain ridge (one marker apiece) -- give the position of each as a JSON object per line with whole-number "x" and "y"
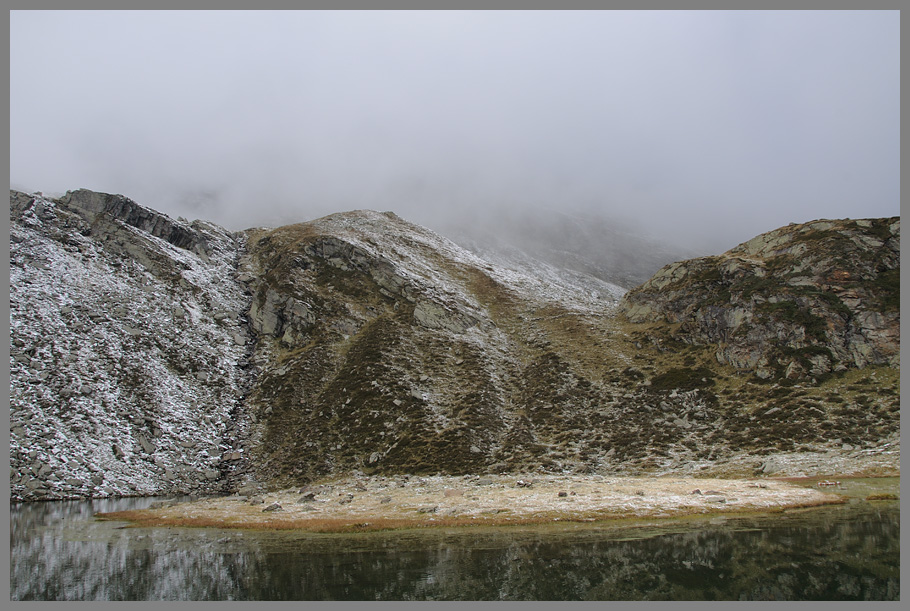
{"x": 154, "y": 356}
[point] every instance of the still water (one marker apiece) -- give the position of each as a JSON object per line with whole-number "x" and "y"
{"x": 848, "y": 552}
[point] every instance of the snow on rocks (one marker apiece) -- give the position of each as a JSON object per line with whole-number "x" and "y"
{"x": 416, "y": 251}
{"x": 122, "y": 382}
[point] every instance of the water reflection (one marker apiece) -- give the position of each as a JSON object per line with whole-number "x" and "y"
{"x": 848, "y": 552}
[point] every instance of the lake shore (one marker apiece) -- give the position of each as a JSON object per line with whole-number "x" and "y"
{"x": 379, "y": 503}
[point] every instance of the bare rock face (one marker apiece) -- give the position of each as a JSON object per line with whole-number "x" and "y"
{"x": 105, "y": 212}
{"x": 801, "y": 301}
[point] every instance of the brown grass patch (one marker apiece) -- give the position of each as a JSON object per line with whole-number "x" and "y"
{"x": 883, "y": 497}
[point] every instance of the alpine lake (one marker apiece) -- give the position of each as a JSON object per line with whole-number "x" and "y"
{"x": 59, "y": 551}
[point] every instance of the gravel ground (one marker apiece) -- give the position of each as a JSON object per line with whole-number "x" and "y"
{"x": 883, "y": 460}
{"x": 394, "y": 502}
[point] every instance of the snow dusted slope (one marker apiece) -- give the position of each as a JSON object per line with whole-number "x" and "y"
{"x": 436, "y": 265}
{"x": 132, "y": 357}
{"x": 125, "y": 349}
{"x": 150, "y": 355}
{"x": 537, "y": 277}
{"x": 386, "y": 347}
{"x": 582, "y": 241}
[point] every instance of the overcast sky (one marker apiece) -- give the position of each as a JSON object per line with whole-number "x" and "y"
{"x": 709, "y": 127}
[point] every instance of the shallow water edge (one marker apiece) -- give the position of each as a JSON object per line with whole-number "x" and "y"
{"x": 845, "y": 552}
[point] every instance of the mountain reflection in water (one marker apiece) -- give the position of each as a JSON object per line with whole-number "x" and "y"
{"x": 848, "y": 552}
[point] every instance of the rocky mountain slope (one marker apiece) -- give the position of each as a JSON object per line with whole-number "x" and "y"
{"x": 801, "y": 301}
{"x": 127, "y": 345}
{"x": 152, "y": 355}
{"x": 395, "y": 350}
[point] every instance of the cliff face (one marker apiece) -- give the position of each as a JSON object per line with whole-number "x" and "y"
{"x": 151, "y": 355}
{"x": 801, "y": 301}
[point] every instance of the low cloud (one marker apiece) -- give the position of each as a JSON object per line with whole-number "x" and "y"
{"x": 703, "y": 127}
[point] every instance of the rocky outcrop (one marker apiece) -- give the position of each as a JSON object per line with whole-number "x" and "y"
{"x": 104, "y": 211}
{"x": 798, "y": 302}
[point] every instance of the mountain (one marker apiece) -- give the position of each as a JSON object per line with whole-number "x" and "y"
{"x": 387, "y": 348}
{"x": 575, "y": 241}
{"x": 803, "y": 300}
{"x": 151, "y": 355}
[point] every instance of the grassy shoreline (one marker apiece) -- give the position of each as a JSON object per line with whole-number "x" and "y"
{"x": 355, "y": 504}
